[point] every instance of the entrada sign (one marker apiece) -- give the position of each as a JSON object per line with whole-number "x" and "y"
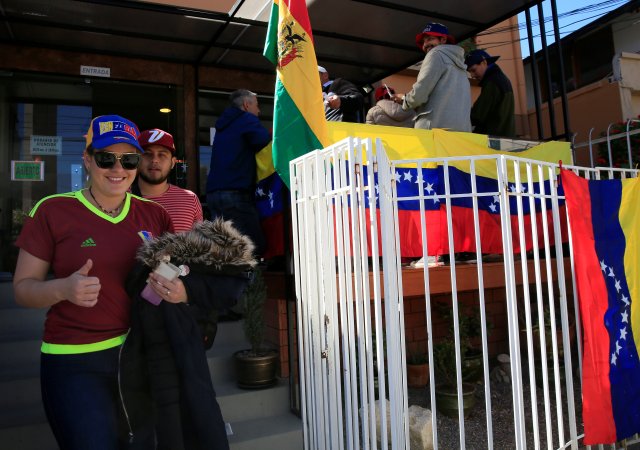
{"x": 93, "y": 71}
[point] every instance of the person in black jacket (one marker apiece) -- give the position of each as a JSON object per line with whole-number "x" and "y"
{"x": 343, "y": 101}
{"x": 165, "y": 385}
{"x": 493, "y": 111}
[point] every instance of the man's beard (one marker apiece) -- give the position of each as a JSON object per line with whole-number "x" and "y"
{"x": 148, "y": 180}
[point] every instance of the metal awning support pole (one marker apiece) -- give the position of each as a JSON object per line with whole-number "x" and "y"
{"x": 545, "y": 53}
{"x": 563, "y": 84}
{"x": 534, "y": 75}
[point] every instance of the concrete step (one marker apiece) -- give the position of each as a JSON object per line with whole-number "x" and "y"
{"x": 229, "y": 333}
{"x": 20, "y": 359}
{"x": 283, "y": 432}
{"x": 243, "y": 404}
{"x": 6, "y": 291}
{"x": 21, "y": 323}
{"x": 34, "y": 436}
{"x": 20, "y": 403}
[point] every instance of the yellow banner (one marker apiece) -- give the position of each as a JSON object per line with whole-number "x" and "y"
{"x": 411, "y": 143}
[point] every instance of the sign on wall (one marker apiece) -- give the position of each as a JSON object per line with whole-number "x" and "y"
{"x": 27, "y": 170}
{"x": 46, "y": 145}
{"x": 93, "y": 71}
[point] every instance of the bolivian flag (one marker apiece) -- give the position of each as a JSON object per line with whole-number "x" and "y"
{"x": 299, "y": 125}
{"x": 604, "y": 217}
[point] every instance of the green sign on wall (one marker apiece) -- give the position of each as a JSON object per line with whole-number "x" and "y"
{"x": 27, "y": 170}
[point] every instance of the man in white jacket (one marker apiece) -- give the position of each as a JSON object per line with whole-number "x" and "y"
{"x": 441, "y": 96}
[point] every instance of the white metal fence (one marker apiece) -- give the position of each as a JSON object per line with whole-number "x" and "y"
{"x": 348, "y": 204}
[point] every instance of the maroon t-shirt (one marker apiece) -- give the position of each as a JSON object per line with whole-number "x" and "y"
{"x": 66, "y": 230}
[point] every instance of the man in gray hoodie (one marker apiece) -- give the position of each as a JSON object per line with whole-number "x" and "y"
{"x": 441, "y": 96}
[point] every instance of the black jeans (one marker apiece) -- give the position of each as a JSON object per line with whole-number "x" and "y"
{"x": 81, "y": 399}
{"x": 240, "y": 208}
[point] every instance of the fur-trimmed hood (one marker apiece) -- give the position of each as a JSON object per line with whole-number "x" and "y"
{"x": 210, "y": 245}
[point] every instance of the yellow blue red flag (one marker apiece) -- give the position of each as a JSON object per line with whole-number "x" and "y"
{"x": 604, "y": 218}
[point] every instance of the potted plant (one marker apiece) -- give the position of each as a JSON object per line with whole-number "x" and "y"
{"x": 444, "y": 359}
{"x": 470, "y": 329}
{"x": 255, "y": 367}
{"x": 417, "y": 369}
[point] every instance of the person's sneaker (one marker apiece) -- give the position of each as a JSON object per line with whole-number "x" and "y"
{"x": 432, "y": 261}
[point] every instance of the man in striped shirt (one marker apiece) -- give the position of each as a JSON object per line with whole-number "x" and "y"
{"x": 157, "y": 161}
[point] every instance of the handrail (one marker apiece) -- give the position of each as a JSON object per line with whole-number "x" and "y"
{"x": 604, "y": 139}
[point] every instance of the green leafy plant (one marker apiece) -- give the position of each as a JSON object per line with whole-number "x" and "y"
{"x": 619, "y": 148}
{"x": 254, "y": 298}
{"x": 444, "y": 361}
{"x": 417, "y": 357}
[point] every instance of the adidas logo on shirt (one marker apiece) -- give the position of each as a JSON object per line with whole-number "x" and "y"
{"x": 89, "y": 242}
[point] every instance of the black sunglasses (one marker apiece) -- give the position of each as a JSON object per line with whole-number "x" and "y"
{"x": 106, "y": 160}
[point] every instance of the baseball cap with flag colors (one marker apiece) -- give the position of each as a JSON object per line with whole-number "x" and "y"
{"x": 156, "y": 136}
{"x": 434, "y": 29}
{"x": 112, "y": 129}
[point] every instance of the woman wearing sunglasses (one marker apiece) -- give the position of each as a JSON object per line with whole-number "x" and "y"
{"x": 88, "y": 239}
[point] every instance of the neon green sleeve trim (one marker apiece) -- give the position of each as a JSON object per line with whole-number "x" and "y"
{"x": 73, "y": 349}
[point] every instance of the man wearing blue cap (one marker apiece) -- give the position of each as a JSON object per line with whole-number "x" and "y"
{"x": 441, "y": 95}
{"x": 493, "y": 111}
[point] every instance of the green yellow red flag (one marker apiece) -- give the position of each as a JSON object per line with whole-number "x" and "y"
{"x": 299, "y": 125}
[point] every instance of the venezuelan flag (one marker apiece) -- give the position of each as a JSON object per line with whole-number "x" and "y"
{"x": 604, "y": 217}
{"x": 299, "y": 125}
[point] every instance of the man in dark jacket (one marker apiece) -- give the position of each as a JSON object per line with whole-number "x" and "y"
{"x": 232, "y": 175}
{"x": 343, "y": 101}
{"x": 493, "y": 111}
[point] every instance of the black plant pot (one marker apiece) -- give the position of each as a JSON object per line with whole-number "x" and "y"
{"x": 256, "y": 370}
{"x": 447, "y": 399}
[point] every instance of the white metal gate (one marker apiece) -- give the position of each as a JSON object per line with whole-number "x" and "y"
{"x": 346, "y": 201}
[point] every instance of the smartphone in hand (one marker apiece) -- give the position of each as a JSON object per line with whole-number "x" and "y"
{"x": 167, "y": 270}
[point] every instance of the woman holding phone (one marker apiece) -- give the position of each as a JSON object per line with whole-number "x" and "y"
{"x": 88, "y": 240}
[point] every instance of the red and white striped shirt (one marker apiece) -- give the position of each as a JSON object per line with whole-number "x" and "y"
{"x": 182, "y": 205}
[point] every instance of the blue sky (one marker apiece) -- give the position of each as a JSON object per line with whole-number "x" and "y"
{"x": 573, "y": 14}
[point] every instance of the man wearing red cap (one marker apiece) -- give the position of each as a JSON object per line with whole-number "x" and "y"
{"x": 157, "y": 162}
{"x": 441, "y": 96}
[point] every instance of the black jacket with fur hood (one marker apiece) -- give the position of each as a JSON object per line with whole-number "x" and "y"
{"x": 165, "y": 381}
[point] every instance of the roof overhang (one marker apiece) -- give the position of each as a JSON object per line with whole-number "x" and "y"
{"x": 361, "y": 40}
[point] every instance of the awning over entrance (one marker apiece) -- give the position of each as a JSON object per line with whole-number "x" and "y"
{"x": 362, "y": 40}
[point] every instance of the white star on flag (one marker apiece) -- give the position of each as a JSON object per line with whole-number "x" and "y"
{"x": 493, "y": 207}
{"x": 611, "y": 274}
{"x": 623, "y": 333}
{"x": 259, "y": 192}
{"x": 396, "y": 176}
{"x": 618, "y": 348}
{"x": 613, "y": 359}
{"x": 418, "y": 179}
{"x": 625, "y": 300}
{"x": 618, "y": 286}
{"x": 496, "y": 199}
{"x": 603, "y": 266}
{"x": 436, "y": 199}
{"x": 407, "y": 176}
{"x": 429, "y": 188}
{"x": 625, "y": 317}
